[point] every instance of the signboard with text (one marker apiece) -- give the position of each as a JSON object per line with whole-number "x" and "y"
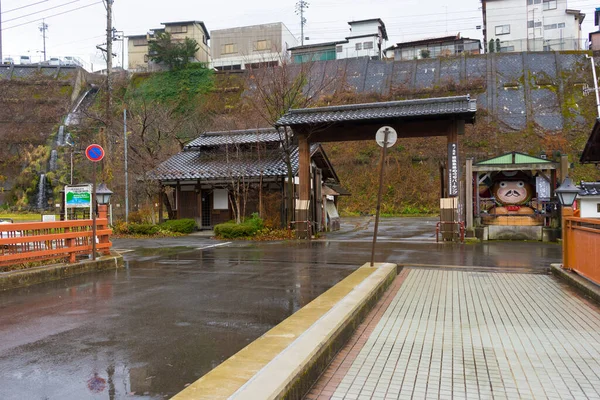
{"x": 78, "y": 197}
{"x": 453, "y": 169}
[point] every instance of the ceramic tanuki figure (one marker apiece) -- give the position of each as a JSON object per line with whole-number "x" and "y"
{"x": 511, "y": 193}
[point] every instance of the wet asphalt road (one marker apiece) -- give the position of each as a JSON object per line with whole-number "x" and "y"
{"x": 183, "y": 306}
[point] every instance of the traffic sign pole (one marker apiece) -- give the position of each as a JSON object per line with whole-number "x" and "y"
{"x": 387, "y": 133}
{"x": 94, "y": 226}
{"x": 94, "y": 153}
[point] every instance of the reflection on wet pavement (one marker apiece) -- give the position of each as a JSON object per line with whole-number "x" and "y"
{"x": 176, "y": 312}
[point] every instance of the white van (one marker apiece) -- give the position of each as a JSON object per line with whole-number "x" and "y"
{"x": 25, "y": 60}
{"x": 54, "y": 61}
{"x": 71, "y": 61}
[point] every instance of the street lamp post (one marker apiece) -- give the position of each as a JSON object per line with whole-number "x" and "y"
{"x": 567, "y": 193}
{"x": 103, "y": 194}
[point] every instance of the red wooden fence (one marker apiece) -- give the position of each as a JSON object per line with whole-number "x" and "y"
{"x": 38, "y": 241}
{"x": 582, "y": 247}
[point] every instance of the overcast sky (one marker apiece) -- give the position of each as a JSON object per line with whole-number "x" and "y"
{"x": 78, "y": 32}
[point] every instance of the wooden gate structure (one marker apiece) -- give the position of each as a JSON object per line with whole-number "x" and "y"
{"x": 445, "y": 116}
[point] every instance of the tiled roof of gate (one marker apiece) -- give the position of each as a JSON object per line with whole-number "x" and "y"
{"x": 210, "y": 139}
{"x": 442, "y": 106}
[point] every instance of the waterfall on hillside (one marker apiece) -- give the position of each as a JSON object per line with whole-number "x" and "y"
{"x": 60, "y": 138}
{"x": 41, "y": 197}
{"x": 74, "y": 116}
{"x": 53, "y": 160}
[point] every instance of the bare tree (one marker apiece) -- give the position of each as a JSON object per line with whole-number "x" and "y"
{"x": 275, "y": 90}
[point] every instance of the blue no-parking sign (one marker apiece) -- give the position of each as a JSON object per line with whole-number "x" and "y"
{"x": 94, "y": 152}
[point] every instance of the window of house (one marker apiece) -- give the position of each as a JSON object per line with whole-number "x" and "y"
{"x": 339, "y": 49}
{"x": 598, "y": 209}
{"x": 532, "y": 2}
{"x": 549, "y": 5}
{"x": 203, "y": 39}
{"x": 179, "y": 29}
{"x": 561, "y": 25}
{"x": 502, "y": 30}
{"x": 220, "y": 200}
{"x": 507, "y": 49}
{"x": 229, "y": 48}
{"x": 358, "y": 46}
{"x": 367, "y": 45}
{"x": 530, "y": 24}
{"x": 262, "y": 45}
{"x": 551, "y": 26}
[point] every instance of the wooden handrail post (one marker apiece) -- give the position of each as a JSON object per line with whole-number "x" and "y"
{"x": 69, "y": 243}
{"x": 566, "y": 213}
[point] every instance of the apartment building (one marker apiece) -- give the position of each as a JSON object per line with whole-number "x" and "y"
{"x": 137, "y": 45}
{"x": 367, "y": 39}
{"x": 447, "y": 46}
{"x": 531, "y": 25}
{"x": 251, "y": 46}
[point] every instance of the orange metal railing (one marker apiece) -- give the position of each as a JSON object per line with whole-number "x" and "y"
{"x": 37, "y": 241}
{"x": 582, "y": 247}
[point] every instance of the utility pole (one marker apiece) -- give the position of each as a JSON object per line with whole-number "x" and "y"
{"x": 126, "y": 168}
{"x": 120, "y": 36}
{"x": 300, "y": 7}
{"x": 109, "y": 55}
{"x": 43, "y": 29}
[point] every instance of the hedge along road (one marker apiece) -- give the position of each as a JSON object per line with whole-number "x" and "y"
{"x": 176, "y": 312}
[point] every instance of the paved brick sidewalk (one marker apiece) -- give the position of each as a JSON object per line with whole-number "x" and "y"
{"x": 455, "y": 334}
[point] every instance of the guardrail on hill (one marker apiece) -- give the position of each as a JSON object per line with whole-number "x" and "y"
{"x": 38, "y": 241}
{"x": 582, "y": 247}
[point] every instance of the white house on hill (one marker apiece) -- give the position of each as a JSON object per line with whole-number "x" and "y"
{"x": 531, "y": 25}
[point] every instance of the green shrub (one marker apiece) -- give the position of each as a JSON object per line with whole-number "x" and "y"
{"x": 143, "y": 229}
{"x": 186, "y": 225}
{"x": 248, "y": 228}
{"x": 120, "y": 228}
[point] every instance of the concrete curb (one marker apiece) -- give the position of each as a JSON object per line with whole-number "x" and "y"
{"x": 579, "y": 283}
{"x": 286, "y": 361}
{"x": 16, "y": 279}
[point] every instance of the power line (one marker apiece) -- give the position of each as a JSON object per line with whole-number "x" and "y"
{"x": 50, "y": 16}
{"x": 41, "y": 11}
{"x": 22, "y": 7}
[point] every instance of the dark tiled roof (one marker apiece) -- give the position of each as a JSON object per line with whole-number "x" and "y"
{"x": 194, "y": 164}
{"x": 210, "y": 139}
{"x": 373, "y": 111}
{"x": 589, "y": 189}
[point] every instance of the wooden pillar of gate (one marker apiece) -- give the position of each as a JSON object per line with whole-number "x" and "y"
{"x": 303, "y": 202}
{"x": 449, "y": 206}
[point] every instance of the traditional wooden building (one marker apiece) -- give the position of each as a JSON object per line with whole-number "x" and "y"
{"x": 222, "y": 174}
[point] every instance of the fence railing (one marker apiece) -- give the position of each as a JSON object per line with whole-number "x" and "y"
{"x": 38, "y": 241}
{"x": 582, "y": 247}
